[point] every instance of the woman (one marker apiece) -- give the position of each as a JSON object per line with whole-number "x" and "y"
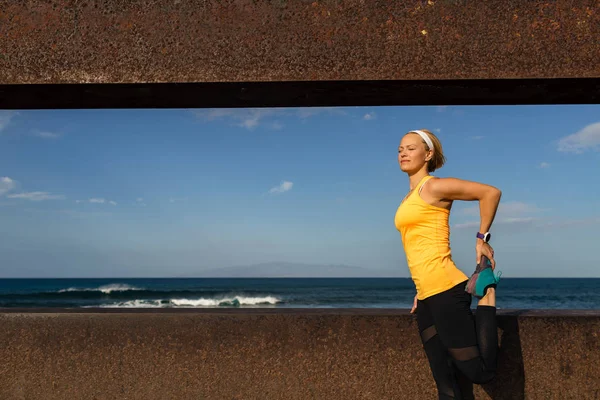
{"x": 457, "y": 344}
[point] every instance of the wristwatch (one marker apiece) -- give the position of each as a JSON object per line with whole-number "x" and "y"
{"x": 484, "y": 236}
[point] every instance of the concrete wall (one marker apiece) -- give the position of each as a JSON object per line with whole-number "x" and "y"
{"x": 277, "y": 354}
{"x": 64, "y": 41}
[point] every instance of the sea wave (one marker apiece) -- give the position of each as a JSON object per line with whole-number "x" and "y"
{"x": 106, "y": 289}
{"x": 236, "y": 301}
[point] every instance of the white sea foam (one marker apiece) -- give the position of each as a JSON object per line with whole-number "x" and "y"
{"x": 113, "y": 287}
{"x": 227, "y": 300}
{"x": 202, "y": 302}
{"x": 137, "y": 304}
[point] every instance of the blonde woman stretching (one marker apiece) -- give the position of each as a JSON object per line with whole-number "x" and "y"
{"x": 456, "y": 342}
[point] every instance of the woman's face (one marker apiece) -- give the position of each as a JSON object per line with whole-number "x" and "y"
{"x": 412, "y": 153}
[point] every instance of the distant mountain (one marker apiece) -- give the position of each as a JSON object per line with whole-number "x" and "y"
{"x": 293, "y": 270}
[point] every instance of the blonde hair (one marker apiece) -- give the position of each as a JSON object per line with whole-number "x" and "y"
{"x": 438, "y": 159}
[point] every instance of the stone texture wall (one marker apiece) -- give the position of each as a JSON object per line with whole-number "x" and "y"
{"x": 65, "y": 41}
{"x": 277, "y": 354}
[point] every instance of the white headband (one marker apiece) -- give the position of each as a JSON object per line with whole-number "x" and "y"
{"x": 425, "y": 137}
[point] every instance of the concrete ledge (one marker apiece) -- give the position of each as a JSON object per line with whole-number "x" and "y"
{"x": 277, "y": 354}
{"x": 114, "y": 41}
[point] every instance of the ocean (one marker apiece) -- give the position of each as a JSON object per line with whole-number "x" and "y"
{"x": 520, "y": 293}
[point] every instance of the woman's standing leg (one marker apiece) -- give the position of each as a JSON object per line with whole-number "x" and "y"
{"x": 440, "y": 363}
{"x": 465, "y": 385}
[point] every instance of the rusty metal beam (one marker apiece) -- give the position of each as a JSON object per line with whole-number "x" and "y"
{"x": 302, "y": 94}
{"x": 253, "y": 53}
{"x": 143, "y": 41}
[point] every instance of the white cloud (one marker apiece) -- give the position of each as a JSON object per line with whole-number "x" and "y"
{"x": 508, "y": 213}
{"x": 438, "y": 130}
{"x": 477, "y": 137}
{"x": 441, "y": 108}
{"x": 307, "y": 112}
{"x": 6, "y": 185}
{"x": 100, "y": 200}
{"x": 587, "y": 138}
{"x": 283, "y": 187}
{"x": 5, "y": 117}
{"x": 36, "y": 196}
{"x": 537, "y": 222}
{"x": 369, "y": 116}
{"x": 571, "y": 222}
{"x": 544, "y": 165}
{"x": 84, "y": 214}
{"x": 276, "y": 126}
{"x": 505, "y": 210}
{"x": 513, "y": 220}
{"x": 500, "y": 221}
{"x": 46, "y": 135}
{"x": 177, "y": 199}
{"x": 250, "y": 118}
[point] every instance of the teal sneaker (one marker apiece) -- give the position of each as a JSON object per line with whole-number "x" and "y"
{"x": 482, "y": 279}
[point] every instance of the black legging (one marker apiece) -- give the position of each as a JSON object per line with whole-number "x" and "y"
{"x": 461, "y": 349}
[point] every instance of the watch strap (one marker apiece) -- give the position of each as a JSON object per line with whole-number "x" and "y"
{"x": 484, "y": 236}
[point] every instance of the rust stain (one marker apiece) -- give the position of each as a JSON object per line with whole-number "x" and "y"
{"x": 245, "y": 40}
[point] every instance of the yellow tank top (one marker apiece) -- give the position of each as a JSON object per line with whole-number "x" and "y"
{"x": 425, "y": 235}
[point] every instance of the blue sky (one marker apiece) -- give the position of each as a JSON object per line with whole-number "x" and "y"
{"x": 128, "y": 193}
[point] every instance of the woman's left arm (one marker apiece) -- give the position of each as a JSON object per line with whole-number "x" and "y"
{"x": 450, "y": 189}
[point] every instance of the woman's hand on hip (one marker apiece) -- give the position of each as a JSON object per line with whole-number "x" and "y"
{"x": 414, "y": 307}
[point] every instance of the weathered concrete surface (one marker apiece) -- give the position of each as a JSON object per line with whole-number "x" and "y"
{"x": 65, "y": 41}
{"x": 277, "y": 354}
